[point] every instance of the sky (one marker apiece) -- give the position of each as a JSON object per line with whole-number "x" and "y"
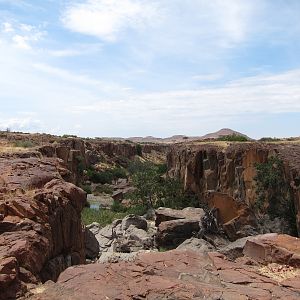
{"x": 150, "y": 67}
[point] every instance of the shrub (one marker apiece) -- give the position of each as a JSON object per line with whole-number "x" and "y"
{"x": 233, "y": 138}
{"x": 152, "y": 189}
{"x": 269, "y": 139}
{"x": 104, "y": 188}
{"x": 273, "y": 192}
{"x": 24, "y": 144}
{"x": 139, "y": 150}
{"x": 87, "y": 188}
{"x": 105, "y": 176}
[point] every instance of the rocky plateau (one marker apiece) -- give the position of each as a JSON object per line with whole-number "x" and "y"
{"x": 47, "y": 253}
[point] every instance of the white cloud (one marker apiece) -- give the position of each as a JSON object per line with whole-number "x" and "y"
{"x": 19, "y": 124}
{"x": 21, "y": 35}
{"x": 207, "y": 77}
{"x": 7, "y": 27}
{"x": 260, "y": 94}
{"x": 108, "y": 18}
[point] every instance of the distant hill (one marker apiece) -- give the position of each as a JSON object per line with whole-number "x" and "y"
{"x": 223, "y": 132}
{"x": 184, "y": 138}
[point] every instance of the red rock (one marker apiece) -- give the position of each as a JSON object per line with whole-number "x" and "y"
{"x": 41, "y": 217}
{"x": 169, "y": 275}
{"x": 279, "y": 248}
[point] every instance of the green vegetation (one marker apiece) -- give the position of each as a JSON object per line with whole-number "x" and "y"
{"x": 69, "y": 136}
{"x": 137, "y": 209}
{"x": 105, "y": 176}
{"x": 233, "y": 138}
{"x": 139, "y": 150}
{"x": 87, "y": 188}
{"x": 103, "y": 189}
{"x": 273, "y": 192}
{"x": 106, "y": 216}
{"x": 102, "y": 216}
{"x": 24, "y": 144}
{"x": 269, "y": 139}
{"x": 154, "y": 188}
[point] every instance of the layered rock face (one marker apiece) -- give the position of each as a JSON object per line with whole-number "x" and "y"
{"x": 224, "y": 177}
{"x": 40, "y": 224}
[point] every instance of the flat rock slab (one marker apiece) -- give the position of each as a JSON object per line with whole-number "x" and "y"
{"x": 177, "y": 274}
{"x": 273, "y": 247}
{"x": 167, "y": 214}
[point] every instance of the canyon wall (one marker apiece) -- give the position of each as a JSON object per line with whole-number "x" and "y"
{"x": 40, "y": 223}
{"x": 224, "y": 177}
{"x": 41, "y": 232}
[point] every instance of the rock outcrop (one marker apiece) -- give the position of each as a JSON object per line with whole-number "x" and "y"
{"x": 176, "y": 274}
{"x": 40, "y": 224}
{"x": 224, "y": 177}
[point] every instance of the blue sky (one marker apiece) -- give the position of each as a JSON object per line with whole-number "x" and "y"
{"x": 150, "y": 67}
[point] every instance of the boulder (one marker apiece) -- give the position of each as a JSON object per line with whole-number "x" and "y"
{"x": 196, "y": 245}
{"x": 91, "y": 244}
{"x": 274, "y": 248}
{"x": 235, "y": 249}
{"x": 174, "y": 232}
{"x": 137, "y": 221}
{"x": 167, "y": 214}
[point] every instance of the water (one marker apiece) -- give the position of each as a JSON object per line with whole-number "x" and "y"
{"x": 95, "y": 206}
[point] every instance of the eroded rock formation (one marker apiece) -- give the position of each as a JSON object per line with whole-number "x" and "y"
{"x": 40, "y": 224}
{"x": 224, "y": 177}
{"x": 177, "y": 274}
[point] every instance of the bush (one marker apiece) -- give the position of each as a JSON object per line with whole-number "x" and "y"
{"x": 24, "y": 144}
{"x": 87, "y": 188}
{"x": 106, "y": 176}
{"x": 233, "y": 138}
{"x": 269, "y": 139}
{"x": 152, "y": 189}
{"x": 139, "y": 150}
{"x": 137, "y": 209}
{"x": 273, "y": 192}
{"x": 104, "y": 188}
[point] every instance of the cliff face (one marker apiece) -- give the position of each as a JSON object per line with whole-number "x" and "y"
{"x": 224, "y": 177}
{"x": 40, "y": 207}
{"x": 40, "y": 224}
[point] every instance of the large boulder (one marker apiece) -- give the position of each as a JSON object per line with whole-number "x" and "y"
{"x": 137, "y": 221}
{"x": 91, "y": 244}
{"x": 167, "y": 214}
{"x": 172, "y": 233}
{"x": 274, "y": 248}
{"x": 196, "y": 245}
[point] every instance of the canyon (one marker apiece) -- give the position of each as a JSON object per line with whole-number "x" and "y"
{"x": 42, "y": 238}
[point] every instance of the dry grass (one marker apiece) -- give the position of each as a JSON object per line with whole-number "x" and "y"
{"x": 279, "y": 272}
{"x": 7, "y": 147}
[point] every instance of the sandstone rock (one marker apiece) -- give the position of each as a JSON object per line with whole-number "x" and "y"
{"x": 177, "y": 274}
{"x": 235, "y": 249}
{"x": 277, "y": 248}
{"x": 91, "y": 244}
{"x": 237, "y": 218}
{"x": 230, "y": 170}
{"x": 138, "y": 221}
{"x": 196, "y": 245}
{"x": 174, "y": 232}
{"x": 167, "y": 214}
{"x": 41, "y": 217}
